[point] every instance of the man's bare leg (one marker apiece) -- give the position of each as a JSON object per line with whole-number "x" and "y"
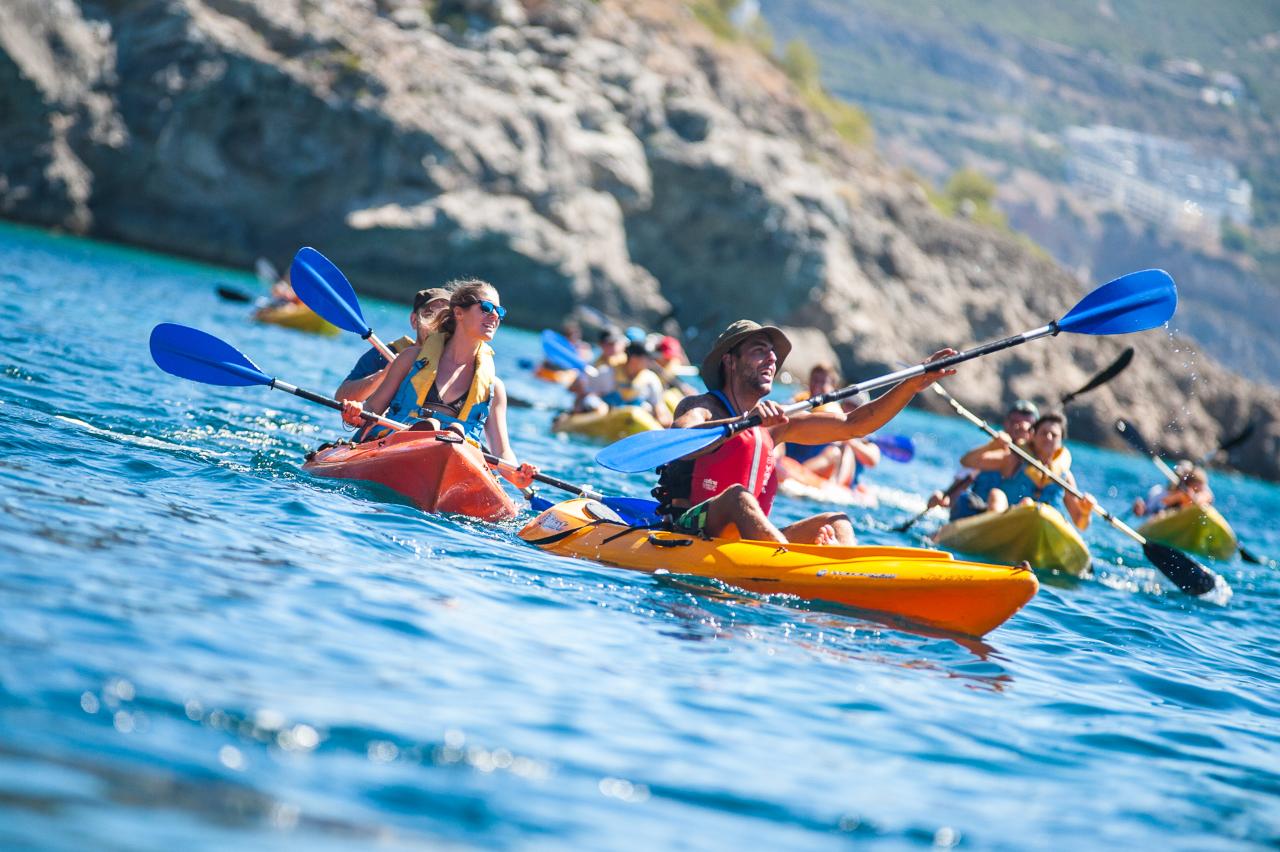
{"x": 738, "y": 506}
{"x": 827, "y": 528}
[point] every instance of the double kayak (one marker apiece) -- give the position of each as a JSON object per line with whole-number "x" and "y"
{"x": 1037, "y": 534}
{"x": 436, "y": 470}
{"x": 612, "y": 425}
{"x": 1199, "y": 529}
{"x": 295, "y": 315}
{"x": 926, "y": 587}
{"x": 796, "y": 480}
{"x": 555, "y": 376}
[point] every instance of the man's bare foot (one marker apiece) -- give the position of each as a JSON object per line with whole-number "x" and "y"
{"x": 826, "y": 535}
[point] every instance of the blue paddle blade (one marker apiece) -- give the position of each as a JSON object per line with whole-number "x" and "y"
{"x": 1134, "y": 302}
{"x": 900, "y": 448}
{"x": 636, "y": 511}
{"x": 647, "y": 450}
{"x": 190, "y": 353}
{"x": 560, "y": 352}
{"x": 325, "y": 290}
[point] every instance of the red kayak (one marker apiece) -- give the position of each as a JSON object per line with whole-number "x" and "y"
{"x": 436, "y": 470}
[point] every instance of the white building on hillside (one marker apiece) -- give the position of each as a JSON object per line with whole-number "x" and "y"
{"x": 1159, "y": 180}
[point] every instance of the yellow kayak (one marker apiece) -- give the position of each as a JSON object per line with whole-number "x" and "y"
{"x": 296, "y": 316}
{"x": 927, "y": 587}
{"x": 1037, "y": 534}
{"x": 1199, "y": 529}
{"x": 613, "y": 425}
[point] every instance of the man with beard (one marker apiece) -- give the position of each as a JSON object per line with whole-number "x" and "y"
{"x": 730, "y": 487}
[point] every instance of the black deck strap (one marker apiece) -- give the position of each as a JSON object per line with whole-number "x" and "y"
{"x": 630, "y": 529}
{"x": 328, "y": 445}
{"x": 669, "y": 542}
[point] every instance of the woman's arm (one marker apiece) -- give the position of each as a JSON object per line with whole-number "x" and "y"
{"x": 378, "y": 401}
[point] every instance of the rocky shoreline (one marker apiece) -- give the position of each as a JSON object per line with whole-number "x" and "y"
{"x": 613, "y": 154}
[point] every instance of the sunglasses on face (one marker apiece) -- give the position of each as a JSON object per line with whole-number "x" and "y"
{"x": 490, "y": 308}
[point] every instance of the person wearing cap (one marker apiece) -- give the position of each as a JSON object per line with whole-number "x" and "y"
{"x": 1192, "y": 487}
{"x": 631, "y": 382}
{"x": 598, "y": 379}
{"x": 984, "y": 466}
{"x": 367, "y": 373}
{"x": 731, "y": 486}
{"x": 668, "y": 358}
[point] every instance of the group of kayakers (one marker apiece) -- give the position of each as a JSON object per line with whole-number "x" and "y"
{"x": 443, "y": 377}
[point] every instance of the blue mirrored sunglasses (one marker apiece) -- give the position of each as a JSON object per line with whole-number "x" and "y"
{"x": 490, "y": 308}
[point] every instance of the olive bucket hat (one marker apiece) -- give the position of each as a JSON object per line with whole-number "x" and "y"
{"x": 737, "y": 332}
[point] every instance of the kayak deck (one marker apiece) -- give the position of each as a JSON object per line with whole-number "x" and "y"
{"x": 1199, "y": 529}
{"x": 435, "y": 470}
{"x": 1037, "y": 534}
{"x": 928, "y": 587}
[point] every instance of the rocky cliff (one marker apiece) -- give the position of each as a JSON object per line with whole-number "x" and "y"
{"x": 616, "y": 154}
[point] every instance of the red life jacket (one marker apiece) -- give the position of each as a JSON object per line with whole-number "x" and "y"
{"x": 746, "y": 459}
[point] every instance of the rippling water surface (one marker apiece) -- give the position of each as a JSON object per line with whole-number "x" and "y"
{"x": 200, "y": 644}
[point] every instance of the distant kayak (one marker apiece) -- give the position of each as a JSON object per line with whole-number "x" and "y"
{"x": 558, "y": 377}
{"x": 798, "y": 481}
{"x": 296, "y": 316}
{"x": 1037, "y": 534}
{"x": 926, "y": 587}
{"x": 433, "y": 469}
{"x": 1199, "y": 529}
{"x": 613, "y": 425}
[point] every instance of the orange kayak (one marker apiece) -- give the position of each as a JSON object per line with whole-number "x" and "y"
{"x": 435, "y": 470}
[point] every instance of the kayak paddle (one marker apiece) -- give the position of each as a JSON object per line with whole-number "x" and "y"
{"x": 1133, "y": 302}
{"x": 325, "y": 290}
{"x": 1229, "y": 444}
{"x": 190, "y": 353}
{"x": 960, "y": 483}
{"x": 560, "y": 351}
{"x": 1187, "y": 574}
{"x": 1135, "y": 439}
{"x": 231, "y": 294}
{"x": 1116, "y": 368}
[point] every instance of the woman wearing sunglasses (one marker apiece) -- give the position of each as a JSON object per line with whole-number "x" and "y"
{"x": 447, "y": 379}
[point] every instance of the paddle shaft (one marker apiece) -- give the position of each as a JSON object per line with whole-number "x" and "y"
{"x": 899, "y": 376}
{"x": 383, "y": 349}
{"x": 1034, "y": 462}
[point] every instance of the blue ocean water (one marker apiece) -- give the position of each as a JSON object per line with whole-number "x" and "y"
{"x": 200, "y": 644}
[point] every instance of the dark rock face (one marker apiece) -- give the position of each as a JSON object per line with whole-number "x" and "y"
{"x": 612, "y": 154}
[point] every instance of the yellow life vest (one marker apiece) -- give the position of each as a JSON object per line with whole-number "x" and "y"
{"x": 407, "y": 405}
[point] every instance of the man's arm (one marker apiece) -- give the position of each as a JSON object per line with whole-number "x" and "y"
{"x": 824, "y": 427}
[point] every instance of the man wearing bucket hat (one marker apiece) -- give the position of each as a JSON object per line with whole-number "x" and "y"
{"x": 367, "y": 373}
{"x": 733, "y": 483}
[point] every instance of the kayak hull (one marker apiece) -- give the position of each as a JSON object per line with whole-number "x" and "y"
{"x": 798, "y": 481}
{"x": 1198, "y": 529}
{"x": 926, "y": 587}
{"x": 296, "y": 316}
{"x": 613, "y": 425}
{"x": 438, "y": 475}
{"x": 1037, "y": 534}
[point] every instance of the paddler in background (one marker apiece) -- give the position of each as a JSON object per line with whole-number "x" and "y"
{"x": 447, "y": 378}
{"x": 1191, "y": 488}
{"x": 984, "y": 466}
{"x": 367, "y": 373}
{"x": 731, "y": 486}
{"x": 630, "y": 382}
{"x": 1021, "y": 484}
{"x": 669, "y": 358}
{"x": 841, "y": 462}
